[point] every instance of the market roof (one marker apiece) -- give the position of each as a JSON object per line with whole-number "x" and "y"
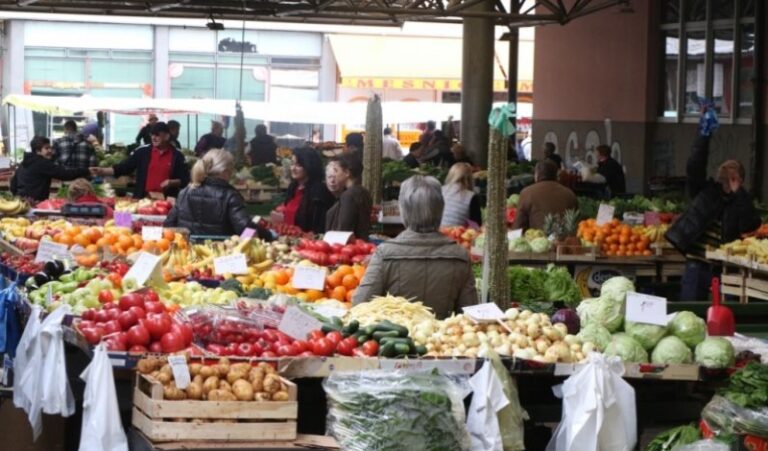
{"x": 350, "y": 12}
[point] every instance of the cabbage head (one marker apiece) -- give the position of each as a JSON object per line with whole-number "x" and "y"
{"x": 645, "y": 334}
{"x": 715, "y": 352}
{"x": 601, "y": 311}
{"x": 616, "y": 288}
{"x": 532, "y": 234}
{"x": 689, "y": 328}
{"x": 512, "y": 200}
{"x": 519, "y": 244}
{"x": 597, "y": 335}
{"x": 626, "y": 348}
{"x": 540, "y": 245}
{"x": 671, "y": 350}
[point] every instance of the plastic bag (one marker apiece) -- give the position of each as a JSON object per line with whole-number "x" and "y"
{"x": 488, "y": 399}
{"x": 512, "y": 417}
{"x": 101, "y": 427}
{"x": 703, "y": 445}
{"x": 724, "y": 416}
{"x": 598, "y": 409}
{"x": 25, "y": 374}
{"x": 395, "y": 410}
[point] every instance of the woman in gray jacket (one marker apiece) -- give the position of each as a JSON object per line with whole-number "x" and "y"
{"x": 421, "y": 263}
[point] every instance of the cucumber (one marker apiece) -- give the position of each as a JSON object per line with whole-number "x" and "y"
{"x": 389, "y": 325}
{"x": 378, "y": 335}
{"x": 386, "y": 340}
{"x": 362, "y": 338}
{"x": 327, "y": 328}
{"x": 401, "y": 348}
{"x": 350, "y": 328}
{"x": 369, "y": 330}
{"x": 421, "y": 349}
{"x": 337, "y": 322}
{"x": 387, "y": 350}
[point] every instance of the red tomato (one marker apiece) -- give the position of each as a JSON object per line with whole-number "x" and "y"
{"x": 92, "y": 335}
{"x": 316, "y": 335}
{"x": 346, "y": 346}
{"x": 130, "y": 300}
{"x": 154, "y": 307}
{"x": 151, "y": 296}
{"x": 127, "y": 319}
{"x": 215, "y": 349}
{"x": 158, "y": 324}
{"x": 287, "y": 350}
{"x": 334, "y": 337}
{"x": 106, "y": 296}
{"x": 301, "y": 346}
{"x": 268, "y": 354}
{"x": 137, "y": 349}
{"x": 156, "y": 347}
{"x": 172, "y": 342}
{"x": 139, "y": 312}
{"x": 185, "y": 330}
{"x": 89, "y": 315}
{"x": 323, "y": 347}
{"x": 113, "y": 313}
{"x": 138, "y": 335}
{"x": 109, "y": 305}
{"x": 245, "y": 350}
{"x": 114, "y": 345}
{"x": 306, "y": 354}
{"x": 371, "y": 348}
{"x": 112, "y": 326}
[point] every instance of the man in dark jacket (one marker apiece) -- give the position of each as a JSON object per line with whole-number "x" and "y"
{"x": 174, "y": 127}
{"x": 145, "y": 134}
{"x": 212, "y": 140}
{"x": 159, "y": 167}
{"x": 611, "y": 170}
{"x": 72, "y": 150}
{"x": 720, "y": 212}
{"x": 33, "y": 178}
{"x": 263, "y": 147}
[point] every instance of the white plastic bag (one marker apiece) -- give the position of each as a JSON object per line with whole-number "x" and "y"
{"x": 703, "y": 445}
{"x": 101, "y": 428}
{"x": 487, "y": 399}
{"x": 22, "y": 391}
{"x": 598, "y": 409}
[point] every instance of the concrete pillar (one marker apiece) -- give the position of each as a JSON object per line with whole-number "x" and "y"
{"x": 161, "y": 79}
{"x": 327, "y": 88}
{"x": 18, "y": 126}
{"x": 477, "y": 83}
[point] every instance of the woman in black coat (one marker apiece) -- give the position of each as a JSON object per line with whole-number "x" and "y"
{"x": 308, "y": 198}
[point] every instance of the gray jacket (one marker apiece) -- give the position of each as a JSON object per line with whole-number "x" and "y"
{"x": 428, "y": 267}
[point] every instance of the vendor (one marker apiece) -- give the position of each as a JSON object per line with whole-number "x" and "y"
{"x": 210, "y": 205}
{"x": 611, "y": 169}
{"x": 308, "y": 198}
{"x": 546, "y": 196}
{"x": 213, "y": 140}
{"x": 421, "y": 263}
{"x": 32, "y": 179}
{"x": 263, "y": 148}
{"x": 414, "y": 155}
{"x": 80, "y": 191}
{"x": 461, "y": 203}
{"x": 159, "y": 167}
{"x": 352, "y": 212}
{"x": 721, "y": 211}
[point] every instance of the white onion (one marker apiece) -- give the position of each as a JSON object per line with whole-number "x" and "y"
{"x": 512, "y": 313}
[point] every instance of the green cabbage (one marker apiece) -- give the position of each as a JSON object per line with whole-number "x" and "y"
{"x": 595, "y": 334}
{"x": 671, "y": 350}
{"x": 626, "y": 348}
{"x": 560, "y": 286}
{"x": 689, "y": 328}
{"x": 645, "y": 334}
{"x": 715, "y": 352}
{"x": 532, "y": 234}
{"x": 601, "y": 311}
{"x": 519, "y": 244}
{"x": 512, "y": 200}
{"x": 616, "y": 288}
{"x": 540, "y": 245}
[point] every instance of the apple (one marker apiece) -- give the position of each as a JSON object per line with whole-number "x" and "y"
{"x": 131, "y": 300}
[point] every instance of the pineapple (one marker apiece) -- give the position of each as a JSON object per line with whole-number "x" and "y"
{"x": 550, "y": 221}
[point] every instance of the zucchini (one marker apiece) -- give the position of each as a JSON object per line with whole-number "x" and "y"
{"x": 350, "y": 328}
{"x": 385, "y": 340}
{"x": 378, "y": 335}
{"x": 402, "y": 349}
{"x": 327, "y": 328}
{"x": 389, "y": 325}
{"x": 369, "y": 330}
{"x": 421, "y": 349}
{"x": 362, "y": 338}
{"x": 387, "y": 350}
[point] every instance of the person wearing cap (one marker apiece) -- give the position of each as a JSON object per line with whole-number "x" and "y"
{"x": 212, "y": 140}
{"x": 159, "y": 167}
{"x": 145, "y": 134}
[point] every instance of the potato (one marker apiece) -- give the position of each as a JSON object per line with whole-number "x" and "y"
{"x": 223, "y": 366}
{"x": 173, "y": 393}
{"x": 147, "y": 366}
{"x": 266, "y": 367}
{"x": 194, "y": 369}
{"x": 235, "y": 375}
{"x": 164, "y": 378}
{"x": 242, "y": 390}
{"x": 280, "y": 396}
{"x": 272, "y": 383}
{"x": 224, "y": 385}
{"x": 154, "y": 374}
{"x": 195, "y": 391}
{"x": 208, "y": 371}
{"x": 198, "y": 380}
{"x": 256, "y": 373}
{"x": 240, "y": 367}
{"x": 212, "y": 383}
{"x": 221, "y": 395}
{"x": 166, "y": 369}
{"x": 261, "y": 397}
{"x": 257, "y": 384}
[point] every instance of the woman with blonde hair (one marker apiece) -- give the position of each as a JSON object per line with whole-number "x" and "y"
{"x": 80, "y": 191}
{"x": 210, "y": 205}
{"x": 461, "y": 203}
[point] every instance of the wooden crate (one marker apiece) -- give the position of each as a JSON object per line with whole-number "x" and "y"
{"x": 576, "y": 253}
{"x": 164, "y": 421}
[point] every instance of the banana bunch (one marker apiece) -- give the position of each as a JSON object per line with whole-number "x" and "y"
{"x": 175, "y": 261}
{"x": 13, "y": 207}
{"x": 656, "y": 232}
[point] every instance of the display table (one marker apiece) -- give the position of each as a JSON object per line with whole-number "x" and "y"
{"x": 139, "y": 442}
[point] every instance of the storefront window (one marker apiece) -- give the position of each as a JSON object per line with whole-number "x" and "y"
{"x": 723, "y": 9}
{"x": 695, "y": 10}
{"x": 695, "y": 47}
{"x": 671, "y": 50}
{"x": 746, "y": 70}
{"x": 747, "y": 8}
{"x": 671, "y": 11}
{"x": 722, "y": 72}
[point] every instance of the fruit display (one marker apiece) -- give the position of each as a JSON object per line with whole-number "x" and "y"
{"x": 287, "y": 230}
{"x": 81, "y": 289}
{"x": 656, "y": 232}
{"x": 22, "y": 264}
{"x": 340, "y": 284}
{"x": 751, "y": 247}
{"x": 147, "y": 207}
{"x": 188, "y": 294}
{"x": 223, "y": 381}
{"x": 615, "y": 238}
{"x": 462, "y": 235}
{"x": 533, "y": 240}
{"x": 11, "y": 206}
{"x": 395, "y": 309}
{"x": 117, "y": 240}
{"x": 323, "y": 254}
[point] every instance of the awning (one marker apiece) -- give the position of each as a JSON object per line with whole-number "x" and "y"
{"x": 394, "y": 62}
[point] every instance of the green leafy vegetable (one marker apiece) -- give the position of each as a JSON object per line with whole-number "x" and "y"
{"x": 601, "y": 311}
{"x": 689, "y": 328}
{"x": 715, "y": 352}
{"x": 626, "y": 348}
{"x": 526, "y": 285}
{"x": 560, "y": 286}
{"x": 648, "y": 335}
{"x": 671, "y": 350}
{"x": 748, "y": 386}
{"x": 668, "y": 440}
{"x": 595, "y": 334}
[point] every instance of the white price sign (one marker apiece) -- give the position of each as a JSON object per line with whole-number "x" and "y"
{"x": 147, "y": 266}
{"x": 329, "y": 311}
{"x": 151, "y": 233}
{"x": 643, "y": 308}
{"x": 297, "y": 324}
{"x": 180, "y": 370}
{"x": 232, "y": 264}
{"x": 48, "y": 251}
{"x": 512, "y": 234}
{"x": 334, "y": 237}
{"x": 484, "y": 312}
{"x": 309, "y": 277}
{"x": 605, "y": 214}
{"x": 457, "y": 366}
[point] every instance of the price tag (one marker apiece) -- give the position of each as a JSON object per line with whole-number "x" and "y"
{"x": 151, "y": 233}
{"x": 297, "y": 324}
{"x": 643, "y": 308}
{"x": 329, "y": 311}
{"x": 180, "y": 370}
{"x": 605, "y": 214}
{"x": 232, "y": 264}
{"x": 651, "y": 218}
{"x": 156, "y": 196}
{"x": 147, "y": 267}
{"x": 309, "y": 277}
{"x": 335, "y": 237}
{"x": 5, "y": 163}
{"x": 48, "y": 251}
{"x": 123, "y": 219}
{"x": 446, "y": 366}
{"x": 512, "y": 234}
{"x": 256, "y": 220}
{"x": 484, "y": 312}
{"x": 247, "y": 233}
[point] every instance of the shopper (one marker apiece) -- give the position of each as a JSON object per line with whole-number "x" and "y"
{"x": 439, "y": 151}
{"x": 308, "y": 198}
{"x": 213, "y": 140}
{"x": 145, "y": 134}
{"x": 335, "y": 180}
{"x": 461, "y": 202}
{"x": 413, "y": 159}
{"x": 32, "y": 179}
{"x": 421, "y": 263}
{"x": 391, "y": 146}
{"x": 460, "y": 154}
{"x": 611, "y": 170}
{"x": 720, "y": 212}
{"x": 549, "y": 154}
{"x": 159, "y": 167}
{"x": 352, "y": 212}
{"x": 80, "y": 191}
{"x": 546, "y": 196}
{"x": 263, "y": 147}
{"x": 426, "y": 136}
{"x": 95, "y": 128}
{"x": 72, "y": 150}
{"x": 174, "y": 128}
{"x": 355, "y": 142}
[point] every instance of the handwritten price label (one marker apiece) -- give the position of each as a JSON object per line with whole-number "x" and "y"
{"x": 48, "y": 251}
{"x": 180, "y": 370}
{"x": 334, "y": 237}
{"x": 297, "y": 324}
{"x": 512, "y": 234}
{"x": 643, "y": 308}
{"x": 232, "y": 264}
{"x": 151, "y": 233}
{"x": 605, "y": 214}
{"x": 309, "y": 278}
{"x": 484, "y": 312}
{"x": 147, "y": 266}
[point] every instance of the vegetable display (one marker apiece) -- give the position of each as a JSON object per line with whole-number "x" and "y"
{"x": 672, "y": 438}
{"x": 689, "y": 328}
{"x": 626, "y": 348}
{"x": 648, "y": 335}
{"x": 391, "y": 308}
{"x": 748, "y": 387}
{"x": 671, "y": 350}
{"x": 714, "y": 352}
{"x": 596, "y": 334}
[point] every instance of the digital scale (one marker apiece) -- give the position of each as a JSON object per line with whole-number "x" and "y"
{"x": 93, "y": 210}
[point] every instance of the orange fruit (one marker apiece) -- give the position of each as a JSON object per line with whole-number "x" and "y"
{"x": 67, "y": 239}
{"x": 137, "y": 241}
{"x": 647, "y": 253}
{"x": 125, "y": 241}
{"x": 350, "y": 281}
{"x": 282, "y": 277}
{"x": 345, "y": 270}
{"x": 75, "y": 230}
{"x": 57, "y": 237}
{"x": 169, "y": 234}
{"x": 350, "y": 295}
{"x": 359, "y": 271}
{"x": 333, "y": 280}
{"x": 93, "y": 234}
{"x": 82, "y": 240}
{"x": 314, "y": 295}
{"x": 339, "y": 293}
{"x": 163, "y": 244}
{"x": 92, "y": 248}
